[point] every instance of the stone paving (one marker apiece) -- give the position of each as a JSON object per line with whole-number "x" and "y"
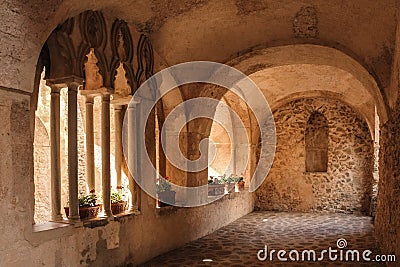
{"x": 237, "y": 244}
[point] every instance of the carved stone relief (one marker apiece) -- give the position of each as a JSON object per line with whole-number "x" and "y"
{"x": 61, "y": 50}
{"x": 145, "y": 60}
{"x": 94, "y": 36}
{"x": 93, "y": 79}
{"x": 122, "y": 55}
{"x": 87, "y": 58}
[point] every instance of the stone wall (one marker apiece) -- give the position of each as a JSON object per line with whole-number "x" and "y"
{"x": 345, "y": 187}
{"x": 132, "y": 239}
{"x": 387, "y": 220}
{"x": 41, "y": 156}
{"x": 16, "y": 172}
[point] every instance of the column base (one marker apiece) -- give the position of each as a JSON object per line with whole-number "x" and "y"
{"x": 75, "y": 221}
{"x": 57, "y": 218}
{"x": 109, "y": 216}
{"x": 133, "y": 209}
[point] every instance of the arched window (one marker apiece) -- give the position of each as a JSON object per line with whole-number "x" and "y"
{"x": 316, "y": 140}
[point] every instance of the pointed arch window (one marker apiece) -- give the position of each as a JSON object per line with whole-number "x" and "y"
{"x": 316, "y": 141}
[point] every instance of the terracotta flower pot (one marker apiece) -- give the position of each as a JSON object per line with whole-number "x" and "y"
{"x": 118, "y": 207}
{"x": 216, "y": 189}
{"x": 239, "y": 186}
{"x": 85, "y": 212}
{"x": 229, "y": 187}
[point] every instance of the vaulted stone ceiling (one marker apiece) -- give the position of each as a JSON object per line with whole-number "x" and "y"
{"x": 214, "y": 30}
{"x": 294, "y": 71}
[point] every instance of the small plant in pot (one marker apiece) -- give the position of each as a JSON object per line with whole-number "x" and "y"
{"x": 239, "y": 186}
{"x": 118, "y": 201}
{"x": 164, "y": 192}
{"x": 88, "y": 207}
{"x": 215, "y": 186}
{"x": 232, "y": 182}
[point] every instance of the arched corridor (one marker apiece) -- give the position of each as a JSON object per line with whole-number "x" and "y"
{"x": 195, "y": 132}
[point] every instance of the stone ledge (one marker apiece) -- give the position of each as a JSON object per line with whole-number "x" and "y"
{"x": 43, "y": 232}
{"x": 168, "y": 210}
{"x": 40, "y": 233}
{"x": 102, "y": 220}
{"x": 47, "y": 226}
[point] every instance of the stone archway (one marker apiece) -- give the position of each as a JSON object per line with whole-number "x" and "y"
{"x": 302, "y": 71}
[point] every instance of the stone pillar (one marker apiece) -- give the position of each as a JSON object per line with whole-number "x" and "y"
{"x": 132, "y": 154}
{"x": 195, "y": 179}
{"x": 105, "y": 154}
{"x": 55, "y": 154}
{"x": 73, "y": 151}
{"x": 90, "y": 170}
{"x": 234, "y": 154}
{"x": 118, "y": 144}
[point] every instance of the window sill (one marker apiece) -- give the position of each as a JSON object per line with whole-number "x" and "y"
{"x": 102, "y": 220}
{"x": 168, "y": 210}
{"x": 230, "y": 195}
{"x": 43, "y": 232}
{"x": 47, "y": 226}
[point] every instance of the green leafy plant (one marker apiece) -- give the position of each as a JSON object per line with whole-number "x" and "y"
{"x": 162, "y": 185}
{"x": 89, "y": 200}
{"x": 224, "y": 180}
{"x": 117, "y": 197}
{"x": 232, "y": 179}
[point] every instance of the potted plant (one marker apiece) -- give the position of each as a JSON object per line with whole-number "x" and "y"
{"x": 88, "y": 207}
{"x": 164, "y": 192}
{"x": 118, "y": 201}
{"x": 232, "y": 182}
{"x": 215, "y": 186}
{"x": 229, "y": 183}
{"x": 239, "y": 185}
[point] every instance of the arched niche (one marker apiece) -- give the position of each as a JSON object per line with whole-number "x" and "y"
{"x": 316, "y": 143}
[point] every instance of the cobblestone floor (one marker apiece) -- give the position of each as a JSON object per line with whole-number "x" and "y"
{"x": 237, "y": 244}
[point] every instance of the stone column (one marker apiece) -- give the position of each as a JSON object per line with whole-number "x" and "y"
{"x": 105, "y": 154}
{"x": 118, "y": 144}
{"x": 133, "y": 153}
{"x": 90, "y": 170}
{"x": 73, "y": 151}
{"x": 195, "y": 179}
{"x": 55, "y": 154}
{"x": 234, "y": 154}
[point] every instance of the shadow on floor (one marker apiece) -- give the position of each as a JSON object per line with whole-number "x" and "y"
{"x": 238, "y": 243}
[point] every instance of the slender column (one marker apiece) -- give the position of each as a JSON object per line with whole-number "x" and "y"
{"x": 55, "y": 154}
{"x": 139, "y": 150}
{"x": 131, "y": 111}
{"x": 90, "y": 171}
{"x": 73, "y": 151}
{"x": 118, "y": 144}
{"x": 105, "y": 154}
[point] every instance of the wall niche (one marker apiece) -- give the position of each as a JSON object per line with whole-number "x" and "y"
{"x": 316, "y": 143}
